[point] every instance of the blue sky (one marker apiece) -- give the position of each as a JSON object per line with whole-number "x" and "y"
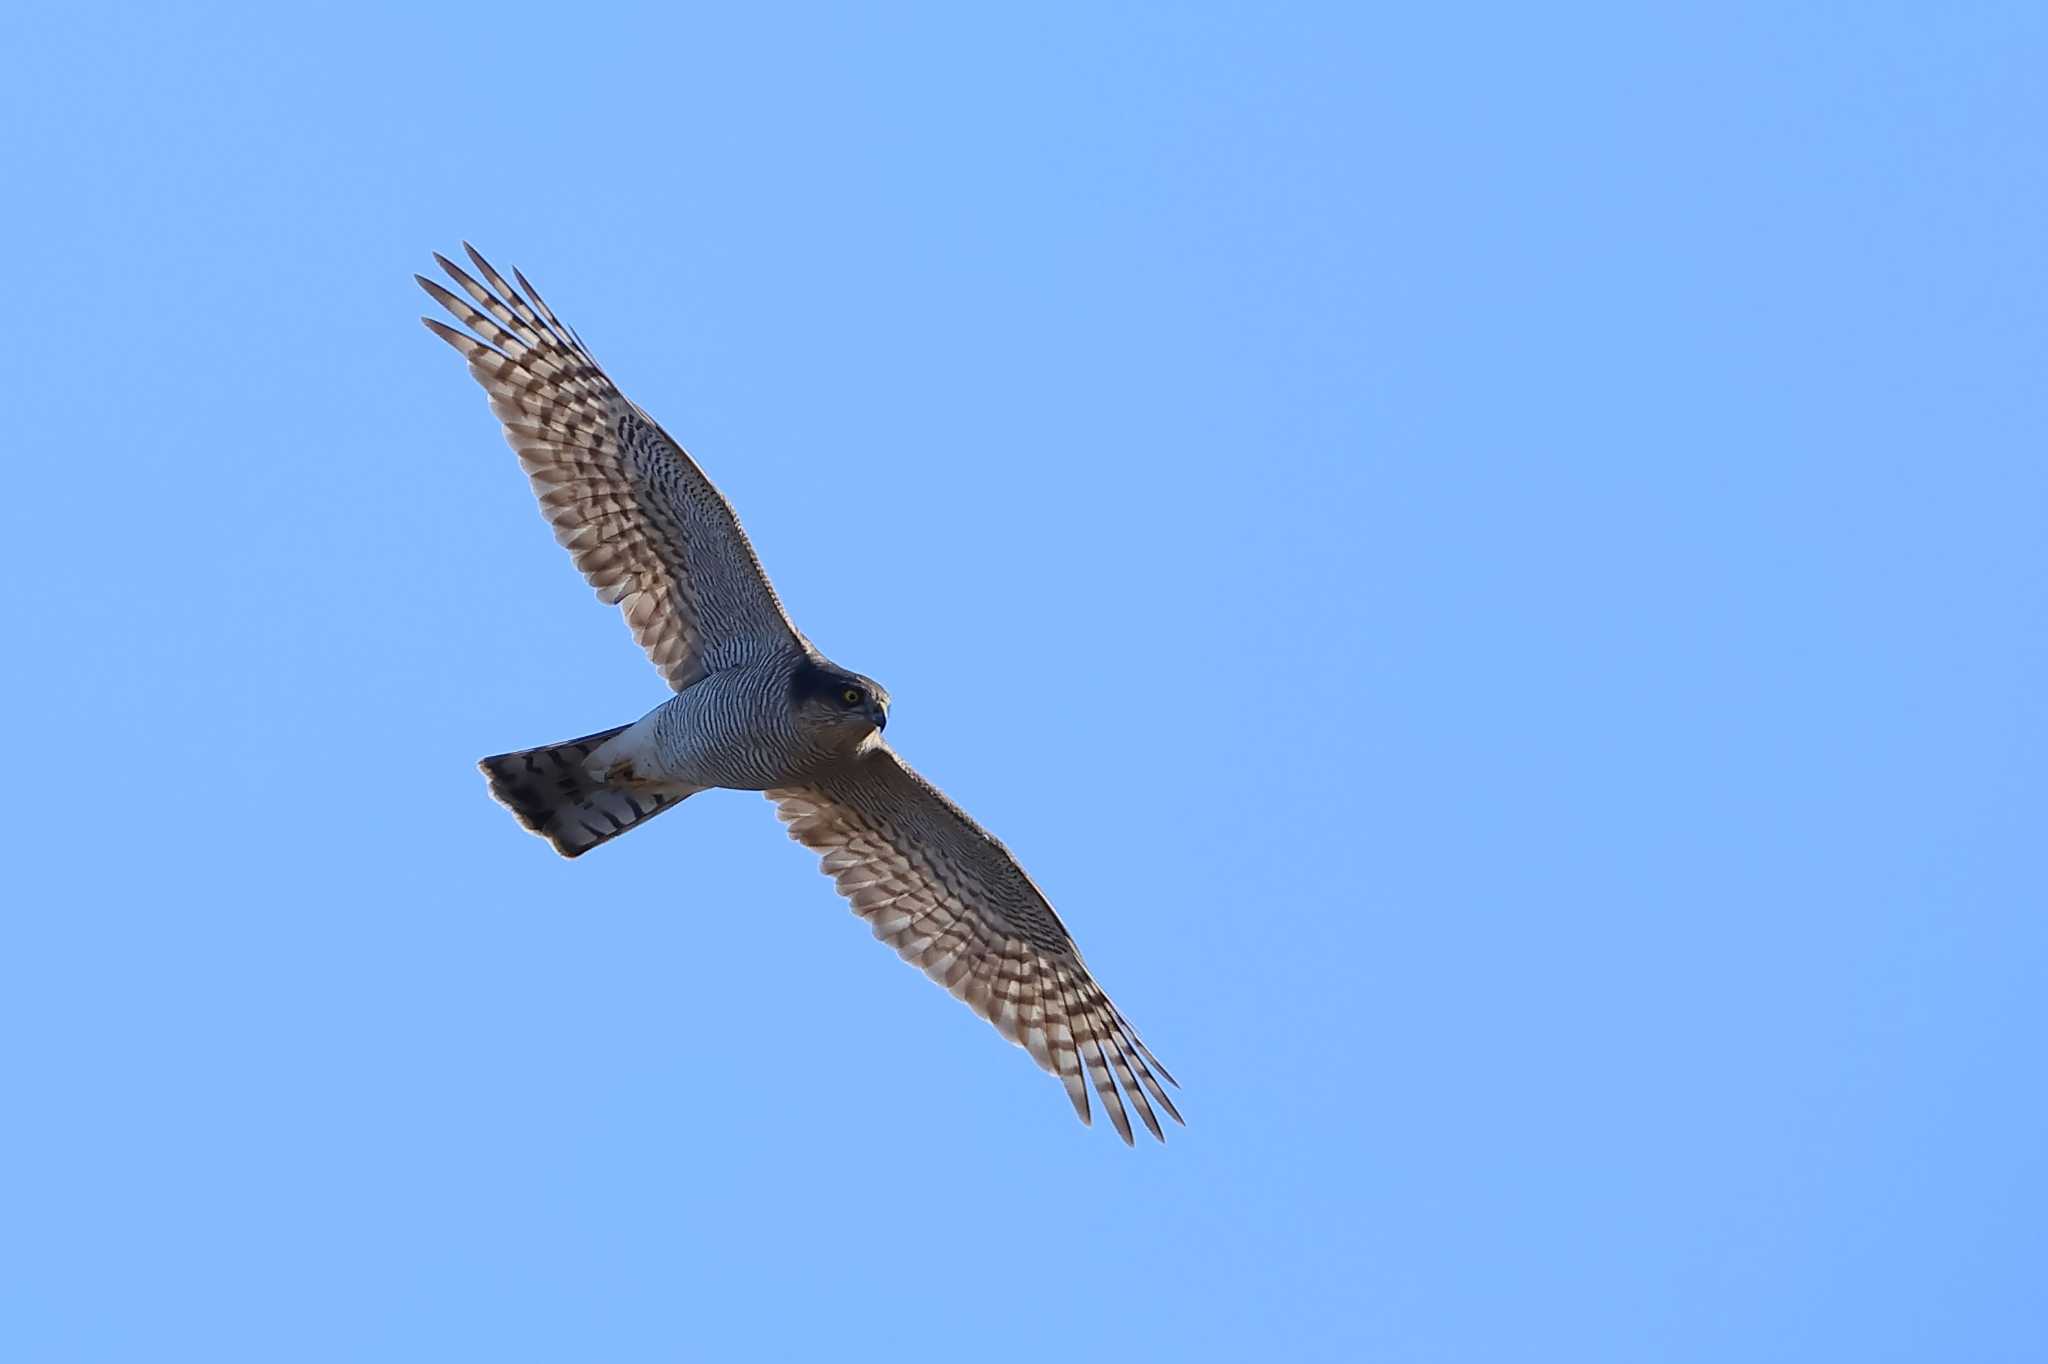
{"x": 1491, "y": 561}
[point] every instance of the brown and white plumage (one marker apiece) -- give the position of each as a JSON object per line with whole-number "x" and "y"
{"x": 952, "y": 901}
{"x": 758, "y": 708}
{"x": 649, "y": 531}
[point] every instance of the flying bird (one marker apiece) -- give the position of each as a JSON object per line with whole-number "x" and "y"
{"x": 758, "y": 708}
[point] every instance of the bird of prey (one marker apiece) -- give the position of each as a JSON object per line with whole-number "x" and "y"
{"x": 758, "y": 708}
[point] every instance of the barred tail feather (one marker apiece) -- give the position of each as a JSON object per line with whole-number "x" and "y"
{"x": 550, "y": 792}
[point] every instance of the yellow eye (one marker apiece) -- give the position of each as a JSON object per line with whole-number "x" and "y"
{"x": 852, "y": 696}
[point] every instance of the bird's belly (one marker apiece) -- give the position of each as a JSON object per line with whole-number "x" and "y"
{"x": 715, "y": 734}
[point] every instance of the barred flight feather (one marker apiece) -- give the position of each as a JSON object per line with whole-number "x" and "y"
{"x": 952, "y": 902}
{"x": 648, "y": 530}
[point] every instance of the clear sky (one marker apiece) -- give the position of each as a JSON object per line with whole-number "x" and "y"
{"x": 1492, "y": 560}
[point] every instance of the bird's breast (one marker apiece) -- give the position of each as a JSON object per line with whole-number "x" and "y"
{"x": 730, "y": 729}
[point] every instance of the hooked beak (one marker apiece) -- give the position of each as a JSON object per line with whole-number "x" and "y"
{"x": 880, "y": 717}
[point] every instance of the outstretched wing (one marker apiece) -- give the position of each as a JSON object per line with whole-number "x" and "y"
{"x": 946, "y": 895}
{"x": 635, "y": 512}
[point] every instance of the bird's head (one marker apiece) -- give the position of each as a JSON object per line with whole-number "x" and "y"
{"x": 836, "y": 709}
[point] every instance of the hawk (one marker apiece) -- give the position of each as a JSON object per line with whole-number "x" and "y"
{"x": 758, "y": 708}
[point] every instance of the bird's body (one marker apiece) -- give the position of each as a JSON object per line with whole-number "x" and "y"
{"x": 758, "y": 708}
{"x": 734, "y": 728}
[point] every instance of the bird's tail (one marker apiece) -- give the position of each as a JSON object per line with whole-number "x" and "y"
{"x": 554, "y": 795}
